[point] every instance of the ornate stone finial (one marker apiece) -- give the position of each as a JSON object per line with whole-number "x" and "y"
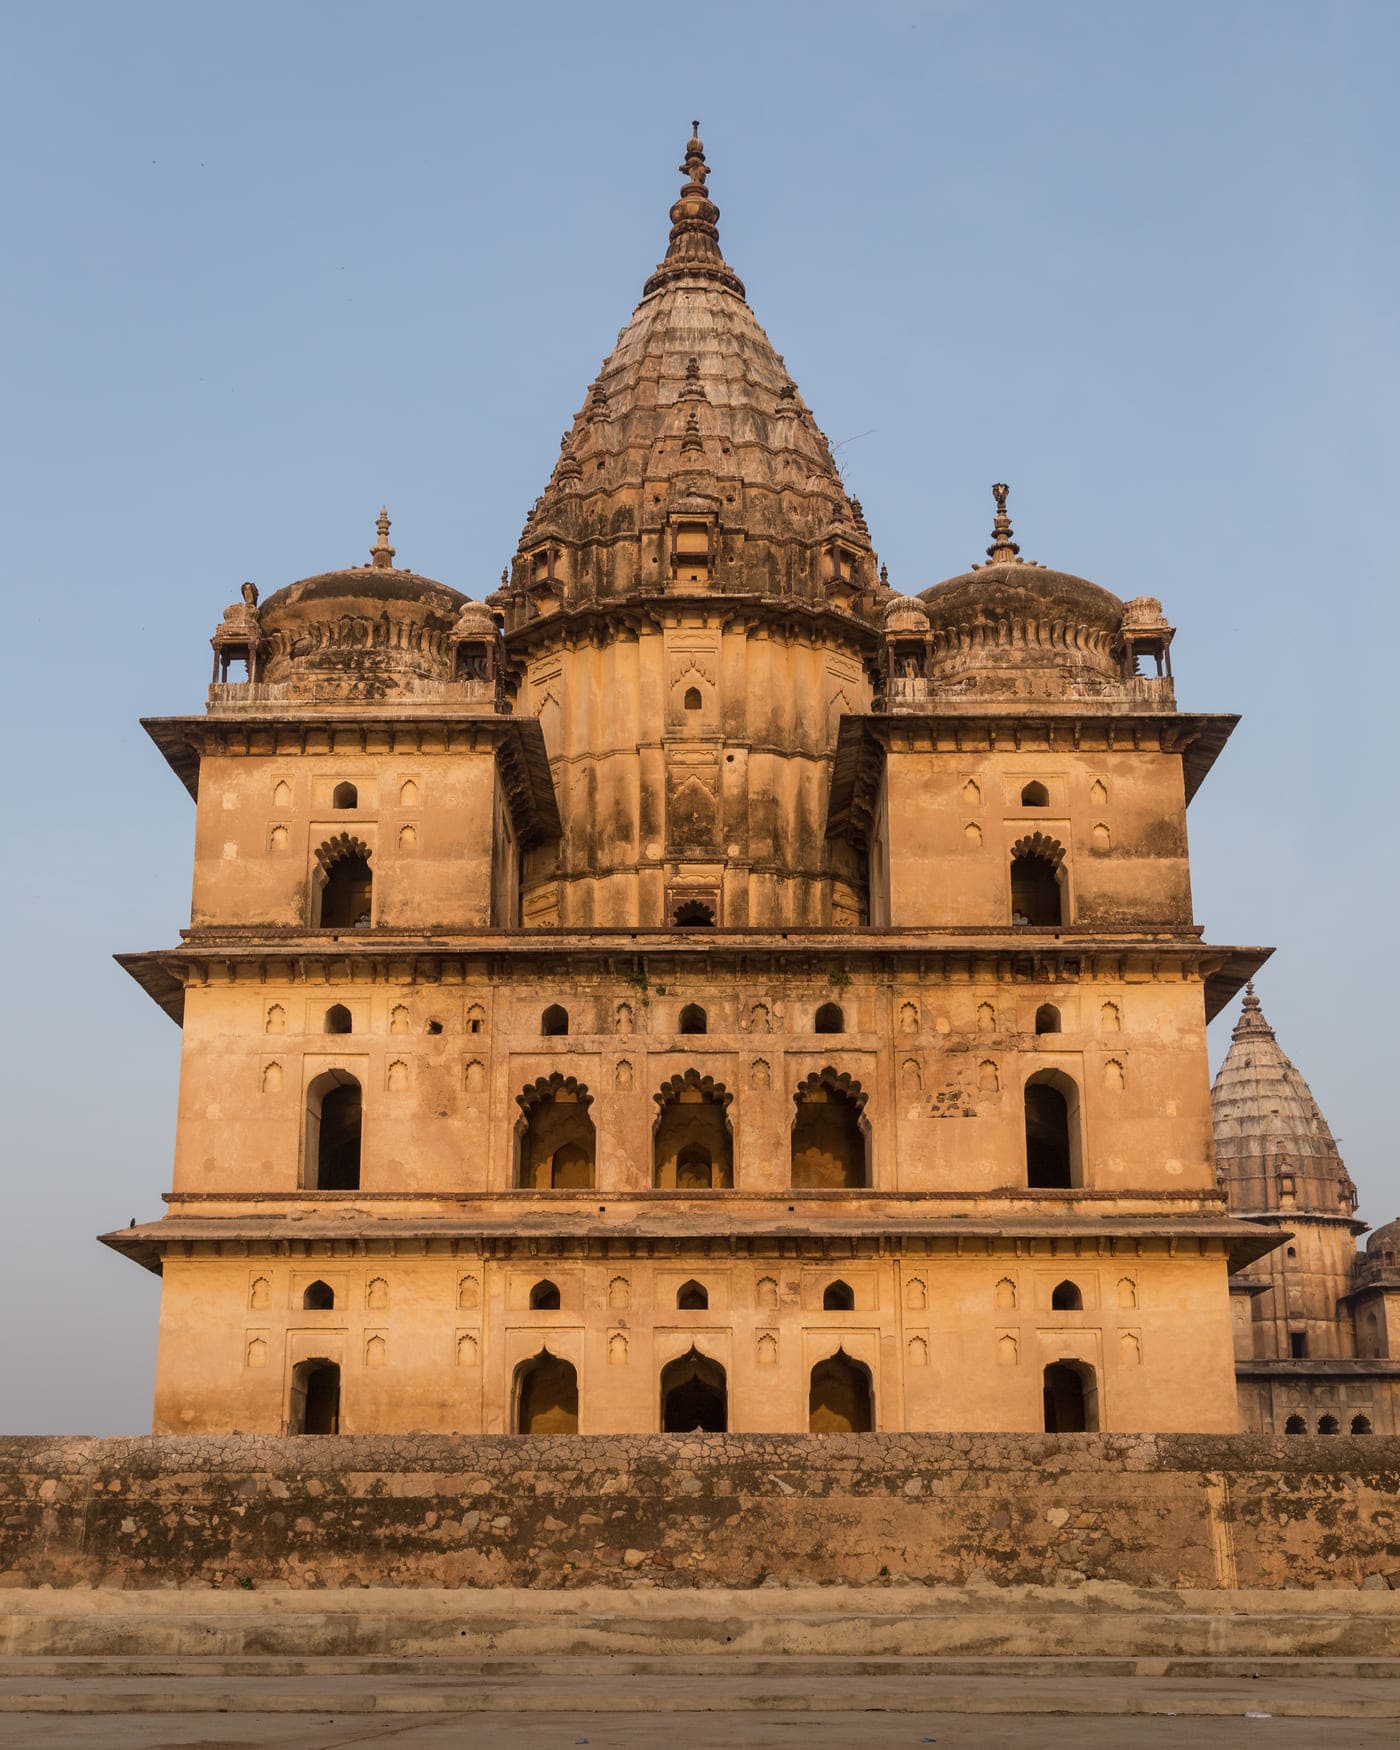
{"x": 1251, "y": 1016}
{"x": 692, "y": 439}
{"x": 884, "y": 577}
{"x": 858, "y": 514}
{"x": 694, "y": 246}
{"x": 381, "y": 554}
{"x": 692, "y": 389}
{"x": 1003, "y": 550}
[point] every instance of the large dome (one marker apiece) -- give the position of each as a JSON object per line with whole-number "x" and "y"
{"x": 372, "y": 629}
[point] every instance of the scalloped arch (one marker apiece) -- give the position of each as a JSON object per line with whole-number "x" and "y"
{"x": 545, "y": 1088}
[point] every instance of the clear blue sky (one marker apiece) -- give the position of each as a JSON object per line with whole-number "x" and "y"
{"x": 268, "y": 265}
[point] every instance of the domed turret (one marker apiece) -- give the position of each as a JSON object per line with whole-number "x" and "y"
{"x": 1383, "y": 1246}
{"x": 369, "y": 632}
{"x": 1012, "y": 629}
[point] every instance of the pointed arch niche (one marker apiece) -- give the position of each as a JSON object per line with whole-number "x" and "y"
{"x": 830, "y": 1133}
{"x": 693, "y": 1139}
{"x": 555, "y": 1141}
{"x": 342, "y": 895}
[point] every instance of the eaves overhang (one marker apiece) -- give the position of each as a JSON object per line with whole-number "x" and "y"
{"x": 281, "y": 952}
{"x": 360, "y": 1230}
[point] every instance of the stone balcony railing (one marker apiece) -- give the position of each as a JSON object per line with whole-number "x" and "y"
{"x": 919, "y": 693}
{"x": 328, "y": 693}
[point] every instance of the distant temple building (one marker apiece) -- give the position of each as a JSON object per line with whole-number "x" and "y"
{"x": 702, "y": 987}
{"x": 1317, "y": 1323}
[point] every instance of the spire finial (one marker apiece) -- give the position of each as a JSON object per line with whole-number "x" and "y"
{"x": 381, "y": 554}
{"x": 694, "y": 246}
{"x": 1003, "y": 550}
{"x": 1251, "y": 1015}
{"x": 692, "y": 439}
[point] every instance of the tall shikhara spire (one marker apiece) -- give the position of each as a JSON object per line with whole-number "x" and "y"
{"x": 692, "y": 413}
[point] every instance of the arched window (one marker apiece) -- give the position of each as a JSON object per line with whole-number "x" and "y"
{"x": 319, "y": 1297}
{"x": 345, "y": 895}
{"x": 555, "y": 1140}
{"x": 1066, "y": 1297}
{"x": 338, "y": 1019}
{"x": 694, "y": 1019}
{"x": 554, "y": 1022}
{"x": 1071, "y": 1398}
{"x": 830, "y": 1019}
{"x": 333, "y": 1126}
{"x": 830, "y": 1135}
{"x": 1052, "y": 1132}
{"x": 692, "y": 1142}
{"x": 1295, "y": 1425}
{"x": 840, "y": 1400}
{"x": 1361, "y": 1424}
{"x": 345, "y": 796}
{"x": 838, "y": 1297}
{"x": 692, "y": 1297}
{"x": 1292, "y": 1252}
{"x": 1035, "y": 795}
{"x": 315, "y": 1398}
{"x": 1047, "y": 1019}
{"x": 694, "y": 1396}
{"x": 1035, "y": 891}
{"x": 1328, "y": 1425}
{"x": 693, "y": 701}
{"x": 546, "y": 1396}
{"x": 694, "y": 914}
{"x": 544, "y": 1297}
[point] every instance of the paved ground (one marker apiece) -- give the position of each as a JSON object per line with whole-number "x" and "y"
{"x": 687, "y": 1731}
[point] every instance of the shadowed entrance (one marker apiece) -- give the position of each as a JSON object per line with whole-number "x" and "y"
{"x": 694, "y": 1396}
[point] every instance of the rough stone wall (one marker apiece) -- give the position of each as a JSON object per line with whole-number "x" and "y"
{"x": 696, "y": 1511}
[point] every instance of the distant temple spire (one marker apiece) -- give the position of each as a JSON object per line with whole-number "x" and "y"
{"x": 381, "y": 554}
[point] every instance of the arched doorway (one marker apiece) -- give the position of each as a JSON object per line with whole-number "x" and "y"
{"x": 546, "y": 1396}
{"x": 334, "y": 1124}
{"x": 1071, "y": 1398}
{"x": 840, "y": 1401}
{"x": 830, "y": 1137}
{"x": 315, "y": 1398}
{"x": 694, "y": 1395}
{"x": 555, "y": 1140}
{"x": 1053, "y": 1152}
{"x": 1037, "y": 881}
{"x": 692, "y": 1143}
{"x": 345, "y": 892}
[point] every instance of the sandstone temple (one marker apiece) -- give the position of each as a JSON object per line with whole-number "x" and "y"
{"x": 700, "y": 986}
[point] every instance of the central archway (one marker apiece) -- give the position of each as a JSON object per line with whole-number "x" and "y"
{"x": 315, "y": 1397}
{"x": 840, "y": 1401}
{"x": 334, "y": 1129}
{"x": 546, "y": 1395}
{"x": 830, "y": 1133}
{"x": 694, "y": 1395}
{"x": 693, "y": 1141}
{"x": 1071, "y": 1398}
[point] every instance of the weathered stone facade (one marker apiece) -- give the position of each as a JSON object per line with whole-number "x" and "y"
{"x": 1317, "y": 1322}
{"x": 700, "y": 986}
{"x": 710, "y": 1511}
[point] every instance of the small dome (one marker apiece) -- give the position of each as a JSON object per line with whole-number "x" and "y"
{"x": 1012, "y": 628}
{"x": 1385, "y": 1239}
{"x": 367, "y": 632}
{"x": 474, "y": 621}
{"x": 906, "y": 614}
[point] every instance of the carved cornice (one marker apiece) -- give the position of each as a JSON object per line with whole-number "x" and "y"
{"x": 266, "y": 956}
